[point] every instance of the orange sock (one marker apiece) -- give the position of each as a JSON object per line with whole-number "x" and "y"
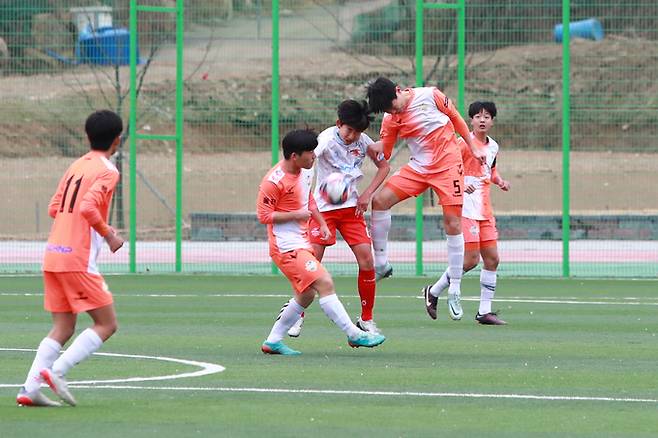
{"x": 367, "y": 288}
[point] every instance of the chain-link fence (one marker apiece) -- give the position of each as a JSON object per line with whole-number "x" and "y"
{"x": 60, "y": 60}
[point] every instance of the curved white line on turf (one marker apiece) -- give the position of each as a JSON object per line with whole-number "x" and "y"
{"x": 384, "y": 393}
{"x": 206, "y": 369}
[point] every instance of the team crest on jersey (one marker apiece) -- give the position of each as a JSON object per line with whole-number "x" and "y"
{"x": 315, "y": 232}
{"x": 311, "y": 266}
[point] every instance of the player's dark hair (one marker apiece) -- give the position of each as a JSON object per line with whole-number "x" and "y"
{"x": 478, "y": 106}
{"x": 381, "y": 93}
{"x": 298, "y": 141}
{"x": 355, "y": 114}
{"x": 102, "y": 128}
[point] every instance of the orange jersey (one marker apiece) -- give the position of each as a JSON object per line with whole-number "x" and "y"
{"x": 428, "y": 124}
{"x": 80, "y": 207}
{"x": 477, "y": 205}
{"x": 285, "y": 192}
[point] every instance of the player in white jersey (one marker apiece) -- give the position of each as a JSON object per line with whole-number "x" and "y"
{"x": 343, "y": 149}
{"x": 285, "y": 204}
{"x": 478, "y": 221}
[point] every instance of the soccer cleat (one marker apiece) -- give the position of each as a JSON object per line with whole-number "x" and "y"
{"x": 368, "y": 326}
{"x": 296, "y": 329}
{"x": 384, "y": 271}
{"x": 58, "y": 385}
{"x": 490, "y": 318}
{"x": 365, "y": 339}
{"x": 278, "y": 348}
{"x": 430, "y": 301}
{"x": 455, "y": 307}
{"x": 35, "y": 399}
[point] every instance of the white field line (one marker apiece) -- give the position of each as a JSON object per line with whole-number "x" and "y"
{"x": 206, "y": 368}
{"x": 611, "y": 301}
{"x": 380, "y": 393}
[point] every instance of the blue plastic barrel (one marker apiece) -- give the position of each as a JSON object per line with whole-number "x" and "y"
{"x": 590, "y": 29}
{"x": 104, "y": 46}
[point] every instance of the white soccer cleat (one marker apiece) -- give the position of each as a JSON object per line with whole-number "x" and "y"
{"x": 296, "y": 329}
{"x": 455, "y": 307}
{"x": 58, "y": 385}
{"x": 383, "y": 271}
{"x": 368, "y": 326}
{"x": 35, "y": 399}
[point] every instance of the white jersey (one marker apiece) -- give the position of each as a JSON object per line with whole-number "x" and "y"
{"x": 333, "y": 155}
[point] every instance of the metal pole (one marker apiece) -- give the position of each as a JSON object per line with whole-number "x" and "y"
{"x": 132, "y": 138}
{"x": 461, "y": 55}
{"x": 275, "y": 90}
{"x": 566, "y": 138}
{"x": 419, "y": 83}
{"x": 180, "y": 23}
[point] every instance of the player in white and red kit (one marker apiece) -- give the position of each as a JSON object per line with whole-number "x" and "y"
{"x": 427, "y": 120}
{"x": 478, "y": 221}
{"x": 343, "y": 148}
{"x": 72, "y": 282}
{"x": 285, "y": 204}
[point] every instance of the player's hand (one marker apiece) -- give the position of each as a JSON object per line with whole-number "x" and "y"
{"x": 469, "y": 189}
{"x": 375, "y": 149}
{"x": 479, "y": 155}
{"x": 324, "y": 232}
{"x": 504, "y": 185}
{"x": 114, "y": 241}
{"x": 362, "y": 204}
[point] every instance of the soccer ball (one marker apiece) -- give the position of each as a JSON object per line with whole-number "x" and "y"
{"x": 335, "y": 189}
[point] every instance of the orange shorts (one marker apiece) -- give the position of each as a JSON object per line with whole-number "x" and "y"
{"x": 479, "y": 233}
{"x": 353, "y": 228}
{"x": 300, "y": 267}
{"x": 75, "y": 292}
{"x": 448, "y": 185}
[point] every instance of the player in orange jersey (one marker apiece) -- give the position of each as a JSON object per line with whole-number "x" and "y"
{"x": 478, "y": 221}
{"x": 71, "y": 278}
{"x": 427, "y": 120}
{"x": 285, "y": 203}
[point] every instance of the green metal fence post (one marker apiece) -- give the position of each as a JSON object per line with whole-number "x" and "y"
{"x": 566, "y": 137}
{"x": 180, "y": 23}
{"x": 132, "y": 140}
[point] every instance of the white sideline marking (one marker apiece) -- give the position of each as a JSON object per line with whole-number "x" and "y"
{"x": 381, "y": 393}
{"x": 206, "y": 368}
{"x": 624, "y": 301}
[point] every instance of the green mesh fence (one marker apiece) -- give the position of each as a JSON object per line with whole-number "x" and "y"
{"x": 61, "y": 60}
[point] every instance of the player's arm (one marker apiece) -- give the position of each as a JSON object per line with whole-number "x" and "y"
{"x": 96, "y": 199}
{"x": 497, "y": 179}
{"x": 268, "y": 198}
{"x": 388, "y": 135}
{"x": 317, "y": 216}
{"x": 383, "y": 169}
{"x": 446, "y": 106}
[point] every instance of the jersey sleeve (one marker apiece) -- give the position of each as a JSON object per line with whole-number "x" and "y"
{"x": 464, "y": 149}
{"x": 446, "y": 106}
{"x": 388, "y": 134}
{"x": 268, "y": 197}
{"x": 96, "y": 199}
{"x": 56, "y": 200}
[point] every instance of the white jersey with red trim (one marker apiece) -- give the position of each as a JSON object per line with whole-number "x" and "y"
{"x": 333, "y": 155}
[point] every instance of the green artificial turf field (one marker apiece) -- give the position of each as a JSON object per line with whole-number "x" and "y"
{"x": 578, "y": 358}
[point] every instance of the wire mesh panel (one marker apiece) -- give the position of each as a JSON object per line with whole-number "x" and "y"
{"x": 62, "y": 60}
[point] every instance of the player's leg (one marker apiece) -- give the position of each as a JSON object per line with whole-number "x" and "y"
{"x": 448, "y": 186}
{"x": 354, "y": 230}
{"x": 490, "y": 258}
{"x": 405, "y": 183}
{"x": 63, "y": 328}
{"x": 86, "y": 293}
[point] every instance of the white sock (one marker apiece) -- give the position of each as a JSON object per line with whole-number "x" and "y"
{"x": 334, "y": 309}
{"x": 46, "y": 354}
{"x": 455, "y": 262}
{"x": 82, "y": 347}
{"x": 487, "y": 290}
{"x": 288, "y": 316}
{"x": 380, "y": 225}
{"x": 441, "y": 285}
